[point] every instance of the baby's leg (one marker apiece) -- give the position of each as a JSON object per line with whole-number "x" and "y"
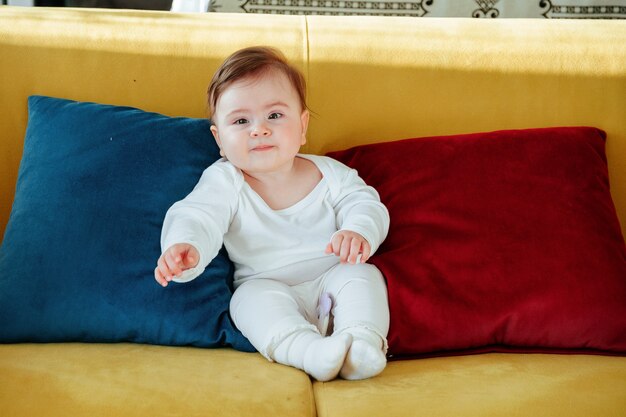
{"x": 268, "y": 314}
{"x": 361, "y": 310}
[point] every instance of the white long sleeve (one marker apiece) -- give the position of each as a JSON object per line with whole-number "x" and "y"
{"x": 358, "y": 208}
{"x": 203, "y": 217}
{"x": 288, "y": 244}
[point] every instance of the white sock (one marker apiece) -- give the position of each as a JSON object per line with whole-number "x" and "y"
{"x": 365, "y": 358}
{"x": 325, "y": 357}
{"x": 320, "y": 357}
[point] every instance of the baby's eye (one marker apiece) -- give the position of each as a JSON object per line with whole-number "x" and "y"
{"x": 275, "y": 116}
{"x": 240, "y": 121}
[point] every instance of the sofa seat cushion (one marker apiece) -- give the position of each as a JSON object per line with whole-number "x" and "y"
{"x": 142, "y": 380}
{"x": 495, "y": 384}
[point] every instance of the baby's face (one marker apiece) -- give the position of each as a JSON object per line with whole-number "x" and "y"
{"x": 260, "y": 124}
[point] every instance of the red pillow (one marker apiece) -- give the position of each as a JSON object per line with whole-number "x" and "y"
{"x": 501, "y": 241}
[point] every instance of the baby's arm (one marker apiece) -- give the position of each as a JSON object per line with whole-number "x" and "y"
{"x": 194, "y": 228}
{"x": 362, "y": 220}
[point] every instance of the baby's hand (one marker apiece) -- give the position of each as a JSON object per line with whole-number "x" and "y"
{"x": 176, "y": 259}
{"x": 348, "y": 246}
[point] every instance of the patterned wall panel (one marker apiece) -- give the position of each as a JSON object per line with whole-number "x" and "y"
{"x": 585, "y": 9}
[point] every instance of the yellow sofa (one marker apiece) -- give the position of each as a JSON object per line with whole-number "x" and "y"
{"x": 370, "y": 79}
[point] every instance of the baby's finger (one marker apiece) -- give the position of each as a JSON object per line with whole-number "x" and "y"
{"x": 355, "y": 248}
{"x": 164, "y": 269}
{"x": 173, "y": 262}
{"x": 336, "y": 244}
{"x": 366, "y": 251}
{"x": 159, "y": 277}
{"x": 346, "y": 244}
{"x": 192, "y": 257}
{"x": 189, "y": 262}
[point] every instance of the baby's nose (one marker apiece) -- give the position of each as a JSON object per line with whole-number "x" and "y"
{"x": 261, "y": 130}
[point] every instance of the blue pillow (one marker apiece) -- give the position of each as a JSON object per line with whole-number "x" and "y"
{"x": 81, "y": 245}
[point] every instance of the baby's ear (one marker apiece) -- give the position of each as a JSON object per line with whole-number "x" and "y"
{"x": 216, "y": 135}
{"x": 304, "y": 119}
{"x": 217, "y": 139}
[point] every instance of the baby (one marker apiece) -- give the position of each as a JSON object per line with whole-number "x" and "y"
{"x": 298, "y": 228}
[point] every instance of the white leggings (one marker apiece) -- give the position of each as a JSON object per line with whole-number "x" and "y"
{"x": 268, "y": 311}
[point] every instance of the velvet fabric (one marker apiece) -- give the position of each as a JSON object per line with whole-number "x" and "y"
{"x": 131, "y": 380}
{"x": 83, "y": 239}
{"x": 494, "y": 384}
{"x": 501, "y": 241}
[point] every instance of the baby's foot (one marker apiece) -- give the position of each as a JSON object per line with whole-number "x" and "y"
{"x": 364, "y": 360}
{"x": 325, "y": 357}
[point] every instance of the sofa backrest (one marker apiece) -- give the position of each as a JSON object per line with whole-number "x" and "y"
{"x": 370, "y": 79}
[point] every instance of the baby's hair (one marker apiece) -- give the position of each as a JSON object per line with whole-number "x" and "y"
{"x": 250, "y": 62}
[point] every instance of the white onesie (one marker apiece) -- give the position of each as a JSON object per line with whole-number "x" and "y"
{"x": 286, "y": 245}
{"x": 281, "y": 268}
